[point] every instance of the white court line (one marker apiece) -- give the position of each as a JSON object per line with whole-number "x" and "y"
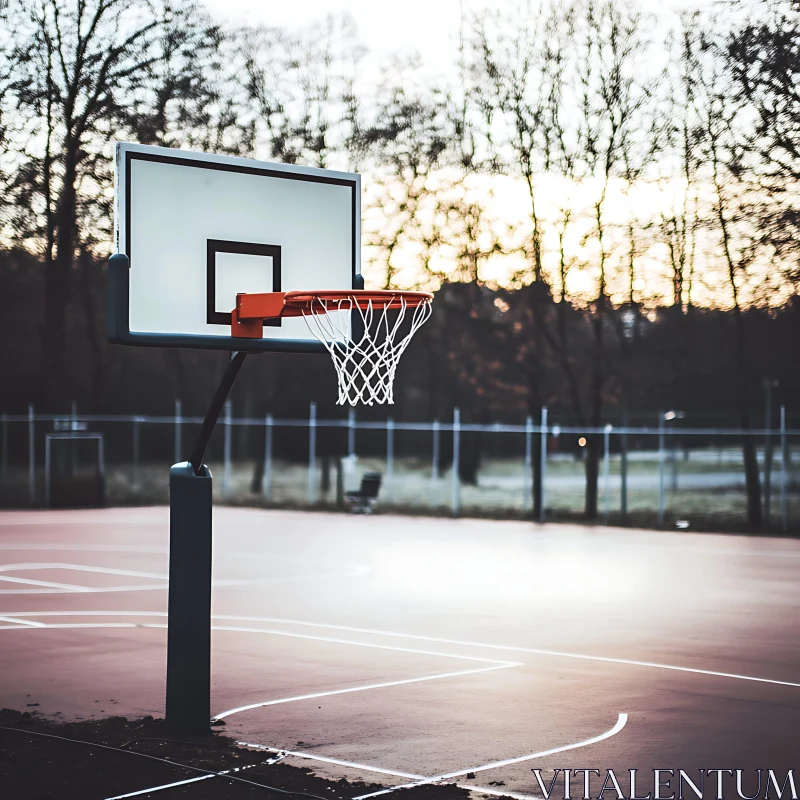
{"x": 79, "y": 625}
{"x": 384, "y": 685}
{"x": 679, "y": 548}
{"x": 164, "y": 786}
{"x": 22, "y": 622}
{"x": 496, "y": 792}
{"x": 371, "y": 645}
{"x": 195, "y": 780}
{"x": 145, "y": 587}
{"x": 34, "y": 565}
{"x": 95, "y": 548}
{"x": 513, "y": 649}
{"x": 421, "y": 779}
{"x": 51, "y": 587}
{"x": 622, "y": 720}
{"x": 85, "y": 613}
{"x": 31, "y": 582}
{"x": 236, "y": 629}
{"x": 337, "y": 761}
{"x": 620, "y": 723}
{"x": 507, "y": 648}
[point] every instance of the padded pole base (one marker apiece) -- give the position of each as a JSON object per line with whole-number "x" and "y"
{"x": 188, "y": 710}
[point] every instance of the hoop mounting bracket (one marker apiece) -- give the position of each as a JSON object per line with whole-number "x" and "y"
{"x": 247, "y": 319}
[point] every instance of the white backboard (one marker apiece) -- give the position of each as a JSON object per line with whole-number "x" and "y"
{"x": 199, "y": 228}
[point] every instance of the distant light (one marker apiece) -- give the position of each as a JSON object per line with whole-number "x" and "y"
{"x": 670, "y": 415}
{"x": 582, "y": 441}
{"x": 682, "y": 524}
{"x": 501, "y": 304}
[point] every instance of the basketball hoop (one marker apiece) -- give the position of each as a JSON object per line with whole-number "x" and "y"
{"x": 364, "y": 331}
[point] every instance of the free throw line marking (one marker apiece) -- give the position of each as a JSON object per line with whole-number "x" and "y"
{"x": 622, "y": 720}
{"x": 384, "y": 685}
{"x": 417, "y": 637}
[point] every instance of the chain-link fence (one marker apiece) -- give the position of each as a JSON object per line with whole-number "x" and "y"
{"x": 665, "y": 475}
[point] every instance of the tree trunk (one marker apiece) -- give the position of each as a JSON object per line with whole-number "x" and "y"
{"x": 258, "y": 468}
{"x": 593, "y": 448}
{"x": 593, "y": 443}
{"x": 92, "y": 324}
{"x": 470, "y": 460}
{"x": 536, "y": 475}
{"x": 751, "y": 475}
{"x": 54, "y": 383}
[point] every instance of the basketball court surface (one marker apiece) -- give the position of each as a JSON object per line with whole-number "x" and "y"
{"x": 403, "y": 649}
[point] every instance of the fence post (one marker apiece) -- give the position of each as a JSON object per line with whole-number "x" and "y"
{"x": 436, "y": 448}
{"x": 543, "y": 465}
{"x": 47, "y": 469}
{"x": 266, "y": 480}
{"x": 312, "y": 454}
{"x": 31, "y": 455}
{"x": 527, "y": 487}
{"x": 606, "y": 470}
{"x": 226, "y": 473}
{"x": 3, "y": 445}
{"x": 454, "y": 498}
{"x": 784, "y": 472}
{"x": 178, "y": 432}
{"x": 661, "y": 454}
{"x": 768, "y": 461}
{"x": 673, "y": 458}
{"x": 623, "y": 470}
{"x": 435, "y": 464}
{"x": 136, "y": 423}
{"x": 389, "y": 457}
{"x": 351, "y": 432}
{"x": 73, "y": 455}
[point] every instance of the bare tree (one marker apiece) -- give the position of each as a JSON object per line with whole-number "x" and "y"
{"x": 679, "y": 219}
{"x": 618, "y": 137}
{"x": 80, "y": 71}
{"x": 722, "y": 141}
{"x": 301, "y": 83}
{"x": 408, "y": 140}
{"x": 6, "y": 124}
{"x": 761, "y": 57}
{"x": 513, "y": 61}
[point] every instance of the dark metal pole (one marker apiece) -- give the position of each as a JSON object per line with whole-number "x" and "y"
{"x": 768, "y": 383}
{"x": 623, "y": 469}
{"x": 188, "y": 710}
{"x": 212, "y": 415}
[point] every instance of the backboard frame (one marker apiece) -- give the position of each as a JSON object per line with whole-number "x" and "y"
{"x": 119, "y": 267}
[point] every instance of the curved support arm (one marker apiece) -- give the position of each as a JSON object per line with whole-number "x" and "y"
{"x": 212, "y": 415}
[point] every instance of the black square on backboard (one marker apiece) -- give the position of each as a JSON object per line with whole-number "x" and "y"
{"x": 214, "y": 246}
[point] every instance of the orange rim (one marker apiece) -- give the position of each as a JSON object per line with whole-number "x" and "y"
{"x": 331, "y": 299}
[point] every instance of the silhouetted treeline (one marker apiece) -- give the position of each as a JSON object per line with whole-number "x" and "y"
{"x": 473, "y": 353}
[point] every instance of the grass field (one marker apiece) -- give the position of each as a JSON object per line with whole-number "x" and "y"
{"x": 706, "y": 489}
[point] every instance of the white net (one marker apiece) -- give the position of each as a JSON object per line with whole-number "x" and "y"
{"x": 366, "y": 343}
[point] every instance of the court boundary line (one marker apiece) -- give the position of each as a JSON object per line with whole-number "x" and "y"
{"x": 622, "y": 721}
{"x": 52, "y": 587}
{"x": 270, "y": 631}
{"x": 18, "y": 620}
{"x": 383, "y": 685}
{"x": 417, "y": 637}
{"x": 421, "y": 780}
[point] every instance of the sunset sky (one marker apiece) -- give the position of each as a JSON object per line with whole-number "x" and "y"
{"x": 430, "y": 29}
{"x": 428, "y": 26}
